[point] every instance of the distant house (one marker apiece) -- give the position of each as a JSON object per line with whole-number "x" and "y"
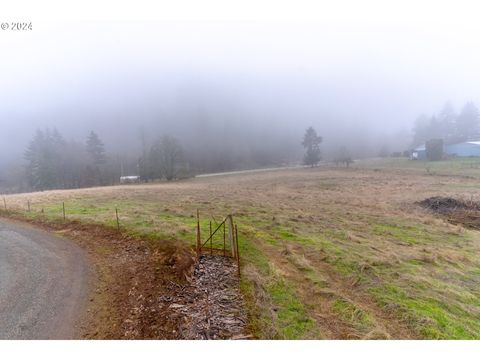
{"x": 129, "y": 179}
{"x": 465, "y": 149}
{"x": 419, "y": 153}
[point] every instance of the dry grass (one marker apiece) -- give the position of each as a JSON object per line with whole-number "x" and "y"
{"x": 328, "y": 253}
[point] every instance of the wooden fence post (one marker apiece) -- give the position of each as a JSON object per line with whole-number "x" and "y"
{"x": 63, "y": 208}
{"x": 224, "y": 238}
{"x": 28, "y": 205}
{"x": 4, "y": 203}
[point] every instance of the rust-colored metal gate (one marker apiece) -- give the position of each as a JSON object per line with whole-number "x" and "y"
{"x": 213, "y": 245}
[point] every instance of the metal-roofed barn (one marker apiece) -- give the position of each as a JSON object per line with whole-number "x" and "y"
{"x": 465, "y": 149}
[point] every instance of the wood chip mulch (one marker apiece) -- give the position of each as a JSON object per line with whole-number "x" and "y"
{"x": 211, "y": 305}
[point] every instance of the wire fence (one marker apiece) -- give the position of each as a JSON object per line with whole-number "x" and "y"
{"x": 221, "y": 238}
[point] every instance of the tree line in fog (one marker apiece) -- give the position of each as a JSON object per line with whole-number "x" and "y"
{"x": 51, "y": 162}
{"x": 448, "y": 125}
{"x": 54, "y": 163}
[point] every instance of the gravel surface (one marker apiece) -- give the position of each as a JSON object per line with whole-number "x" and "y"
{"x": 43, "y": 284}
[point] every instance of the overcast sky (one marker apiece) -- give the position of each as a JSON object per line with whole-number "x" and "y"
{"x": 378, "y": 72}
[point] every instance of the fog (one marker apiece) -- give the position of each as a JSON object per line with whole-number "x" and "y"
{"x": 242, "y": 86}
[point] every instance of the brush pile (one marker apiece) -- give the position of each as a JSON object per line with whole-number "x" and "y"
{"x": 446, "y": 204}
{"x": 456, "y": 211}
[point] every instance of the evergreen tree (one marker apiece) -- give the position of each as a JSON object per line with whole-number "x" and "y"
{"x": 447, "y": 118}
{"x": 96, "y": 152}
{"x": 34, "y": 161}
{"x": 96, "y": 149}
{"x": 466, "y": 126}
{"x": 46, "y": 161}
{"x": 311, "y": 142}
{"x": 447, "y": 126}
{"x": 420, "y": 131}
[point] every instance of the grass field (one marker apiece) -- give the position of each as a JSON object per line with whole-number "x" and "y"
{"x": 326, "y": 252}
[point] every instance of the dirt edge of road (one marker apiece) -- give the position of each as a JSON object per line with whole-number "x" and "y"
{"x": 129, "y": 275}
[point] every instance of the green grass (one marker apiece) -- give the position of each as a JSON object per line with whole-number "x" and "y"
{"x": 349, "y": 312}
{"x": 452, "y": 167}
{"x": 407, "y": 234}
{"x": 423, "y": 271}
{"x": 427, "y": 316}
{"x": 432, "y": 318}
{"x": 292, "y": 319}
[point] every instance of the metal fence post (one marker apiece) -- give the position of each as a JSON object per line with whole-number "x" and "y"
{"x": 238, "y": 253}
{"x": 198, "y": 234}
{"x": 63, "y": 208}
{"x": 211, "y": 245}
{"x": 231, "y": 235}
{"x": 118, "y": 220}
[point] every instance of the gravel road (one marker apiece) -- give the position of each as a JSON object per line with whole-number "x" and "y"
{"x": 43, "y": 284}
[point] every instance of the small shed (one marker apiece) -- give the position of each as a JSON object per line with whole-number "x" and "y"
{"x": 419, "y": 153}
{"x": 465, "y": 149}
{"x": 129, "y": 179}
